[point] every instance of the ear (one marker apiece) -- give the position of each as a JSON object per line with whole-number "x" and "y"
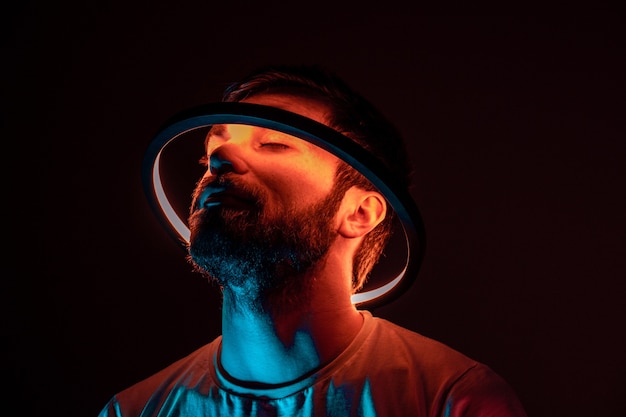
{"x": 361, "y": 211}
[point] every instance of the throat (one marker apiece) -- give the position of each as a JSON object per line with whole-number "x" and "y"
{"x": 259, "y": 348}
{"x": 260, "y": 351}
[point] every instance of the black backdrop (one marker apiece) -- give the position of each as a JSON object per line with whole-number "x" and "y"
{"x": 515, "y": 126}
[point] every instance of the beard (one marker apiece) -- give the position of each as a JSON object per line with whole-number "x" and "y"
{"x": 258, "y": 257}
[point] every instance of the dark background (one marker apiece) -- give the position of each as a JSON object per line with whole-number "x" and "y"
{"x": 516, "y": 127}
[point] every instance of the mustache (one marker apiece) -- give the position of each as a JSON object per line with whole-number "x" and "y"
{"x": 226, "y": 183}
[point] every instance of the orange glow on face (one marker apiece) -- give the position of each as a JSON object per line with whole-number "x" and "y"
{"x": 292, "y": 172}
{"x": 280, "y": 152}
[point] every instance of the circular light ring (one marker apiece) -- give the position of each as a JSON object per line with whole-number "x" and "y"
{"x": 315, "y": 133}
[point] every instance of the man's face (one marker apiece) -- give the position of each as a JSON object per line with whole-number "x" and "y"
{"x": 265, "y": 210}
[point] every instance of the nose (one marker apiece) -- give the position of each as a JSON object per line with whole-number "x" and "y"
{"x": 227, "y": 157}
{"x": 218, "y": 164}
{"x": 229, "y": 148}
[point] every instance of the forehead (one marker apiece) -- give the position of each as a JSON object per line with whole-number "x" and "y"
{"x": 304, "y": 106}
{"x": 308, "y": 107}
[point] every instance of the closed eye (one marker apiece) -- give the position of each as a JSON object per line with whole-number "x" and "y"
{"x": 274, "y": 145}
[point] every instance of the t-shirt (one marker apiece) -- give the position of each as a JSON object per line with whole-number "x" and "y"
{"x": 387, "y": 370}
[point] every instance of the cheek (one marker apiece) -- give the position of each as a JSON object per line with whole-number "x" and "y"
{"x": 300, "y": 185}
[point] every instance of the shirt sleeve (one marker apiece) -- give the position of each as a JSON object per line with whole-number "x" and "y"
{"x": 480, "y": 392}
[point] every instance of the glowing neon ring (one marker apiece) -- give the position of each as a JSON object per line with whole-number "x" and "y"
{"x": 313, "y": 132}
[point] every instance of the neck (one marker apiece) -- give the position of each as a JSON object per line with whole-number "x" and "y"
{"x": 278, "y": 346}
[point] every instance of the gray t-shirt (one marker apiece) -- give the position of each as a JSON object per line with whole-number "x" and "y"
{"x": 386, "y": 371}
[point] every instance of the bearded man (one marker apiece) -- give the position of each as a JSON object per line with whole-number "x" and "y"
{"x": 290, "y": 232}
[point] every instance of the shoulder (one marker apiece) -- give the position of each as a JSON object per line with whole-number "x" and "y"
{"x": 416, "y": 348}
{"x": 190, "y": 369}
{"x": 449, "y": 379}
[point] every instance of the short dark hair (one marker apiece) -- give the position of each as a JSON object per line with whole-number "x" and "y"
{"x": 350, "y": 114}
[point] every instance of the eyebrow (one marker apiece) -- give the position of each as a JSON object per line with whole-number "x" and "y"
{"x": 215, "y": 130}
{"x": 220, "y": 130}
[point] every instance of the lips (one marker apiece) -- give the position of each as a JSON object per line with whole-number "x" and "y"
{"x": 226, "y": 197}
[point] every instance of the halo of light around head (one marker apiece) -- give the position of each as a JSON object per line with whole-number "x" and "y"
{"x": 313, "y": 132}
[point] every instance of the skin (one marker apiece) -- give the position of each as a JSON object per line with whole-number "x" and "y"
{"x": 263, "y": 345}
